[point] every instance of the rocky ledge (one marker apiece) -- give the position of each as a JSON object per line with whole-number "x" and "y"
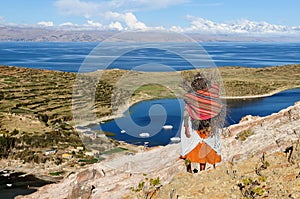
{"x": 254, "y": 163}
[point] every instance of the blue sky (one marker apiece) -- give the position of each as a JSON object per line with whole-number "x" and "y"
{"x": 179, "y": 15}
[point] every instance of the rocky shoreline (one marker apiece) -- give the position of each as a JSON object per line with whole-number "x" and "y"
{"x": 114, "y": 177}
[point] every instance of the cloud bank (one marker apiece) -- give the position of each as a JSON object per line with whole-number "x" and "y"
{"x": 128, "y": 21}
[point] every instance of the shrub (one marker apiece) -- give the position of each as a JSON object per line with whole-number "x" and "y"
{"x": 149, "y": 187}
{"x": 244, "y": 135}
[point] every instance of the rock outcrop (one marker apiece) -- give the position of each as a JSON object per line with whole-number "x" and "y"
{"x": 269, "y": 134}
{"x": 114, "y": 177}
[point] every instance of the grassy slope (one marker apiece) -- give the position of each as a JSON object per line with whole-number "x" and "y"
{"x": 240, "y": 81}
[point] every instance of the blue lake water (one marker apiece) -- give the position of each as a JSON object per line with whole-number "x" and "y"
{"x": 139, "y": 114}
{"x": 261, "y": 106}
{"x": 69, "y": 56}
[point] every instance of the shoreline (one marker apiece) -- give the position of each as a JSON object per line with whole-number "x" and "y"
{"x": 260, "y": 96}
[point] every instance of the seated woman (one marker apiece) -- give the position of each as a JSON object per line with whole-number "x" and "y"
{"x": 200, "y": 141}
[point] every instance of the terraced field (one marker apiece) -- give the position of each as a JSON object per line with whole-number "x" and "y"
{"x": 40, "y": 93}
{"x": 47, "y": 95}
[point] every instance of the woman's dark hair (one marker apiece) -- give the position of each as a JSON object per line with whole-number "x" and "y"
{"x": 199, "y": 82}
{"x": 200, "y": 124}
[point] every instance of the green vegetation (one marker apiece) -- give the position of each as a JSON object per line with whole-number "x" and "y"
{"x": 148, "y": 187}
{"x": 31, "y": 147}
{"x": 57, "y": 173}
{"x": 88, "y": 161}
{"x": 240, "y": 81}
{"x": 255, "y": 187}
{"x": 115, "y": 150}
{"x": 187, "y": 162}
{"x": 242, "y": 136}
{"x": 7, "y": 143}
{"x": 110, "y": 134}
{"x": 252, "y": 188}
{"x": 154, "y": 90}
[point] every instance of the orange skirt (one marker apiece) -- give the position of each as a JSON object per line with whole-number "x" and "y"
{"x": 203, "y": 153}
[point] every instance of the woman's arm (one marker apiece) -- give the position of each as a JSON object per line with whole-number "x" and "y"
{"x": 186, "y": 122}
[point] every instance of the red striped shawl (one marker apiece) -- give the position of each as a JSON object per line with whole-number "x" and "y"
{"x": 204, "y": 104}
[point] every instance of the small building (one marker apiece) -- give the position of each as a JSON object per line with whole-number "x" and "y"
{"x": 100, "y": 135}
{"x": 95, "y": 152}
{"x": 50, "y": 152}
{"x": 79, "y": 148}
{"x": 67, "y": 156}
{"x": 89, "y": 153}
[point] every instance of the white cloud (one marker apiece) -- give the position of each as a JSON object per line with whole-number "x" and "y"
{"x": 198, "y": 24}
{"x": 91, "y": 23}
{"x": 46, "y": 23}
{"x": 70, "y": 24}
{"x": 129, "y": 19}
{"x": 132, "y": 22}
{"x": 115, "y": 26}
{"x": 296, "y": 28}
{"x": 106, "y": 12}
{"x": 177, "y": 29}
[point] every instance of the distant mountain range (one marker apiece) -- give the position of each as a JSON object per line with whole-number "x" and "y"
{"x": 34, "y": 34}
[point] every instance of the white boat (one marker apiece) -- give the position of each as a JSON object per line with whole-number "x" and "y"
{"x": 144, "y": 135}
{"x": 167, "y": 127}
{"x": 6, "y": 174}
{"x": 9, "y": 185}
{"x": 175, "y": 139}
{"x": 123, "y": 131}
